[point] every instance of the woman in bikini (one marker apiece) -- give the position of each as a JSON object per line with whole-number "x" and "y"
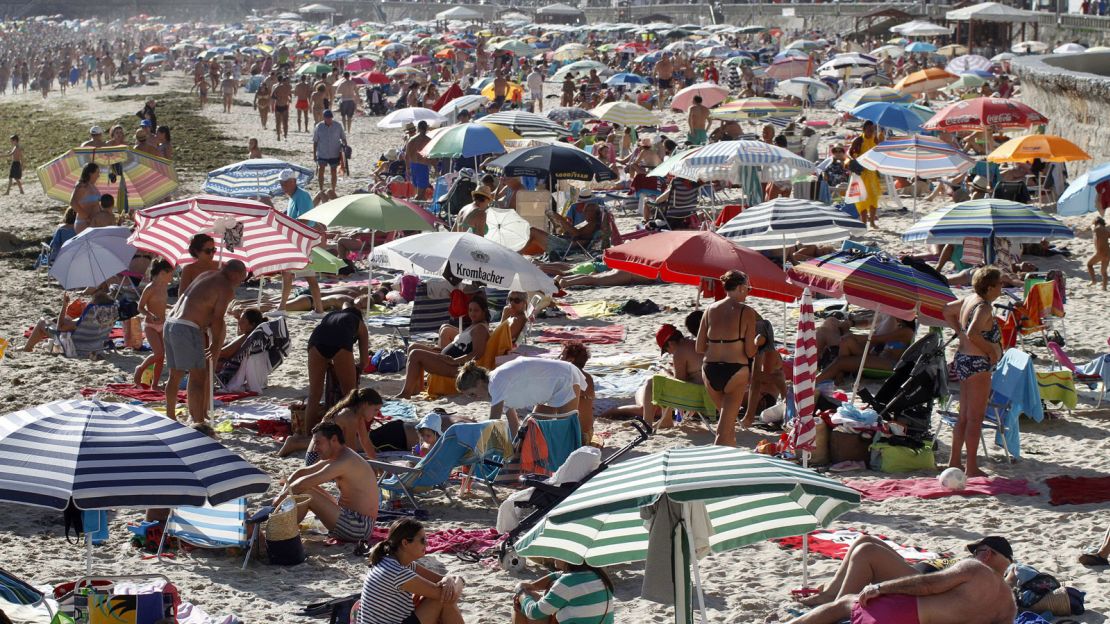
{"x": 85, "y": 201}
{"x": 980, "y": 349}
{"x": 886, "y": 347}
{"x": 447, "y": 358}
{"x": 728, "y": 338}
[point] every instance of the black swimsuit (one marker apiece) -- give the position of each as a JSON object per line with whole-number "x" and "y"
{"x": 718, "y": 374}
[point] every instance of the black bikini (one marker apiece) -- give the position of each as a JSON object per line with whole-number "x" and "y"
{"x": 718, "y": 374}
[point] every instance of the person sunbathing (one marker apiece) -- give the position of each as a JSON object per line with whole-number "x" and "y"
{"x": 892, "y": 336}
{"x": 577, "y": 353}
{"x": 447, "y": 359}
{"x": 331, "y": 298}
{"x": 972, "y": 591}
{"x": 64, "y": 324}
{"x": 515, "y": 313}
{"x": 685, "y": 366}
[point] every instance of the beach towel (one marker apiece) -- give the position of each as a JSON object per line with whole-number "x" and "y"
{"x": 834, "y": 545}
{"x": 401, "y": 410}
{"x": 549, "y": 443}
{"x": 250, "y": 412}
{"x": 611, "y": 334}
{"x": 930, "y": 488}
{"x": 1078, "y": 490}
{"x": 620, "y": 385}
{"x": 116, "y": 333}
{"x": 146, "y": 395}
{"x": 683, "y": 395}
{"x": 1015, "y": 379}
{"x": 451, "y": 540}
{"x": 1058, "y": 387}
{"x": 589, "y": 309}
{"x": 1099, "y": 366}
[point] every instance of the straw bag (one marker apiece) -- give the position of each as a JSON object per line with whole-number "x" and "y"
{"x": 283, "y": 524}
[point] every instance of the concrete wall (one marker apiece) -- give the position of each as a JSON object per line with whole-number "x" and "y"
{"x": 1073, "y": 91}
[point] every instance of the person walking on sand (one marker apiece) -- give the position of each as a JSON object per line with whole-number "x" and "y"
{"x": 280, "y": 98}
{"x": 1101, "y": 256}
{"x": 302, "y": 92}
{"x": 152, "y": 305}
{"x": 15, "y": 172}
{"x": 328, "y": 140}
{"x": 698, "y": 118}
{"x": 262, "y": 101}
{"x": 196, "y": 320}
{"x": 347, "y": 92}
{"x": 228, "y": 86}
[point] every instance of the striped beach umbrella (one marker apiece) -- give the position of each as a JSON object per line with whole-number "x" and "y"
{"x": 987, "y": 218}
{"x": 526, "y": 124}
{"x": 269, "y": 241}
{"x": 463, "y": 141}
{"x": 786, "y": 221}
{"x": 804, "y": 372}
{"x": 868, "y": 95}
{"x": 626, "y": 114}
{"x": 724, "y": 159}
{"x": 750, "y": 108}
{"x": 625, "y": 79}
{"x": 970, "y": 64}
{"x": 146, "y": 179}
{"x": 112, "y": 455}
{"x": 256, "y": 177}
{"x": 567, "y": 114}
{"x": 916, "y": 156}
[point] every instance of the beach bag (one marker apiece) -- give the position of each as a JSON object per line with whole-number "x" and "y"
{"x": 847, "y": 446}
{"x": 889, "y": 458}
{"x": 389, "y": 360}
{"x": 72, "y": 518}
{"x": 857, "y": 190}
{"x": 338, "y": 610}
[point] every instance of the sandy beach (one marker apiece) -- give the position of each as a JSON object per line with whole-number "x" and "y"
{"x": 747, "y": 585}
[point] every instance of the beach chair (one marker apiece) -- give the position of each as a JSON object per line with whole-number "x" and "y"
{"x": 220, "y": 526}
{"x": 91, "y": 335}
{"x": 1092, "y": 378}
{"x": 263, "y": 351}
{"x": 684, "y": 397}
{"x": 542, "y": 445}
{"x": 499, "y": 343}
{"x": 16, "y": 591}
{"x": 994, "y": 420}
{"x": 428, "y": 313}
{"x": 480, "y": 447}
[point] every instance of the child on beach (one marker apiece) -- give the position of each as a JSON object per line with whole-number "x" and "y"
{"x": 430, "y": 429}
{"x": 15, "y": 172}
{"x": 152, "y": 305}
{"x": 253, "y": 150}
{"x": 1102, "y": 250}
{"x": 202, "y": 91}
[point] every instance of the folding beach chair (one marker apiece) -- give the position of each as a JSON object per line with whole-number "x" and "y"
{"x": 994, "y": 420}
{"x": 1092, "y": 378}
{"x": 428, "y": 313}
{"x": 542, "y": 445}
{"x": 250, "y": 367}
{"x": 684, "y": 397}
{"x": 221, "y": 526}
{"x": 16, "y": 591}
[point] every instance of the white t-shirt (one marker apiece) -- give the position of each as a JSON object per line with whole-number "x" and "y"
{"x": 528, "y": 381}
{"x": 535, "y": 81}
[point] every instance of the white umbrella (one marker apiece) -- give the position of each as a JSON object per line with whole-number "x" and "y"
{"x": 412, "y": 115}
{"x": 507, "y": 228}
{"x": 919, "y": 28}
{"x": 1069, "y": 48}
{"x": 466, "y": 256}
{"x": 806, "y": 89}
{"x": 93, "y": 257}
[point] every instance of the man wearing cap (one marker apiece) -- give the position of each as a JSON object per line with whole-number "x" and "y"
{"x": 581, "y": 223}
{"x": 472, "y": 218}
{"x": 96, "y": 138}
{"x": 328, "y": 140}
{"x": 300, "y": 202}
{"x": 972, "y": 591}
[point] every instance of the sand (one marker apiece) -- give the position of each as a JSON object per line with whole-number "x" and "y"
{"x": 748, "y": 585}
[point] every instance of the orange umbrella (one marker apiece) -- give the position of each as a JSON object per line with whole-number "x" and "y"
{"x": 925, "y": 80}
{"x": 156, "y": 49}
{"x": 1047, "y": 147}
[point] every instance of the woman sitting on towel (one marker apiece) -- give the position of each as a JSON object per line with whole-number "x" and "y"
{"x": 892, "y": 336}
{"x": 573, "y": 593}
{"x": 395, "y": 582}
{"x": 355, "y": 414}
{"x": 515, "y": 313}
{"x": 447, "y": 358}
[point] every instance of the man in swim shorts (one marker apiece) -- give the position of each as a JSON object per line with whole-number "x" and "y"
{"x": 280, "y": 98}
{"x": 972, "y": 591}
{"x": 302, "y": 92}
{"x": 419, "y": 166}
{"x": 351, "y": 518}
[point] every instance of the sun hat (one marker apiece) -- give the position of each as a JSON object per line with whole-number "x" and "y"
{"x": 433, "y": 421}
{"x": 585, "y": 194}
{"x": 286, "y": 175}
{"x": 476, "y": 193}
{"x": 96, "y": 130}
{"x": 663, "y": 335}
{"x": 980, "y": 183}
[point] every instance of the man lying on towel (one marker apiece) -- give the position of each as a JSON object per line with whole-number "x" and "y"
{"x": 351, "y": 519}
{"x": 972, "y": 591}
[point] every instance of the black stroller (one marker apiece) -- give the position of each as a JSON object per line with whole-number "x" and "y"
{"x": 906, "y": 397}
{"x": 545, "y": 497}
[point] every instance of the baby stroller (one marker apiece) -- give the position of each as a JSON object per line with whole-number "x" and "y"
{"x": 375, "y": 101}
{"x": 906, "y": 397}
{"x": 546, "y": 496}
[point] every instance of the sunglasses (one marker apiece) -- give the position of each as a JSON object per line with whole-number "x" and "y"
{"x": 209, "y": 250}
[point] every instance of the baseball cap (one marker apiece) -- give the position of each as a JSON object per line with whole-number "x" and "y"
{"x": 146, "y": 123}
{"x": 328, "y": 113}
{"x": 995, "y": 543}
{"x": 96, "y": 130}
{"x": 433, "y": 421}
{"x": 663, "y": 334}
{"x": 287, "y": 174}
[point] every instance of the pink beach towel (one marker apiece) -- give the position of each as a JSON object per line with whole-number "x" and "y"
{"x": 452, "y": 540}
{"x": 146, "y": 395}
{"x": 610, "y": 334}
{"x": 930, "y": 488}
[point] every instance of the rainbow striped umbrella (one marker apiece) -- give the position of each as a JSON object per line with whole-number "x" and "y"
{"x": 876, "y": 281}
{"x": 750, "y": 108}
{"x": 146, "y": 179}
{"x": 987, "y": 218}
{"x": 916, "y": 156}
{"x": 269, "y": 241}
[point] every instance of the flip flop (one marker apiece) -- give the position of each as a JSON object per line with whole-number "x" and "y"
{"x": 1092, "y": 558}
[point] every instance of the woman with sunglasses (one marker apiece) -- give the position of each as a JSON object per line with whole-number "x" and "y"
{"x": 395, "y": 582}
{"x": 203, "y": 248}
{"x": 516, "y": 314}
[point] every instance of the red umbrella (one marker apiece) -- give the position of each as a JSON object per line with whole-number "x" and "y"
{"x": 983, "y": 112}
{"x": 687, "y": 256}
{"x": 375, "y": 77}
{"x": 362, "y": 64}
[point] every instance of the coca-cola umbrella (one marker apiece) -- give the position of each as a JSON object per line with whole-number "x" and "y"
{"x": 984, "y": 112}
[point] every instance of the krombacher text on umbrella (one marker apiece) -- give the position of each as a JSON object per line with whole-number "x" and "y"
{"x": 477, "y": 274}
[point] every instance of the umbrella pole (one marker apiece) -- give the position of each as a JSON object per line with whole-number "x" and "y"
{"x": 693, "y": 562}
{"x": 863, "y": 360}
{"x": 805, "y": 536}
{"x": 370, "y": 271}
{"x": 88, "y": 554}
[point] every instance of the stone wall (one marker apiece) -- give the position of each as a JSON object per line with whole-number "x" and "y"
{"x": 1073, "y": 91}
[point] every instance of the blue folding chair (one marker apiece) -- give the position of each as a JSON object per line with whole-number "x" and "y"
{"x": 993, "y": 420}
{"x": 220, "y": 526}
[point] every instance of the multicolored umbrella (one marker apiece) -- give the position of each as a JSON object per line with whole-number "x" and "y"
{"x": 319, "y": 69}
{"x": 987, "y": 218}
{"x": 916, "y": 156}
{"x": 1046, "y": 147}
{"x": 750, "y": 108}
{"x": 724, "y": 159}
{"x": 786, "y": 221}
{"x": 467, "y": 140}
{"x": 868, "y": 95}
{"x": 922, "y": 81}
{"x": 984, "y": 112}
{"x": 626, "y": 114}
{"x": 257, "y": 177}
{"x": 268, "y": 241}
{"x": 689, "y": 256}
{"x": 146, "y": 179}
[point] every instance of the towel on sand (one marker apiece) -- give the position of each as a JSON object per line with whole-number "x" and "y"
{"x": 611, "y": 334}
{"x": 834, "y": 545}
{"x": 589, "y": 309}
{"x": 146, "y": 395}
{"x": 1078, "y": 490}
{"x": 930, "y": 488}
{"x": 451, "y": 540}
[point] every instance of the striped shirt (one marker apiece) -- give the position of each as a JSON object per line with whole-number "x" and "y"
{"x": 383, "y": 600}
{"x": 684, "y": 199}
{"x": 574, "y": 598}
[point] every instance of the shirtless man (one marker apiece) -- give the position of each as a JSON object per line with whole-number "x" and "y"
{"x": 972, "y": 591}
{"x": 352, "y": 517}
{"x": 347, "y": 92}
{"x": 198, "y": 314}
{"x": 228, "y": 87}
{"x": 500, "y": 91}
{"x": 664, "y": 76}
{"x": 302, "y": 92}
{"x": 418, "y": 166}
{"x": 685, "y": 366}
{"x": 280, "y": 98}
{"x": 472, "y": 218}
{"x": 318, "y": 99}
{"x": 698, "y": 118}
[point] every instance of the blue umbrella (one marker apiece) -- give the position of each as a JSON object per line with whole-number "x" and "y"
{"x": 921, "y": 46}
{"x": 889, "y": 115}
{"x": 625, "y": 79}
{"x": 338, "y": 53}
{"x": 257, "y": 177}
{"x": 1081, "y": 196}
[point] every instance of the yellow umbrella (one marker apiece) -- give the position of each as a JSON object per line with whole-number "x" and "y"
{"x": 1047, "y": 147}
{"x": 511, "y": 93}
{"x": 501, "y": 132}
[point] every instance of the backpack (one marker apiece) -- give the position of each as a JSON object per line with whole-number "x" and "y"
{"x": 389, "y": 360}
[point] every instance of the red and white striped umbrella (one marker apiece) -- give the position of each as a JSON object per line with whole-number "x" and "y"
{"x": 804, "y": 374}
{"x": 271, "y": 242}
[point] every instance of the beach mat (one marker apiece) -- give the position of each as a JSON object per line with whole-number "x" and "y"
{"x": 146, "y": 395}
{"x": 1078, "y": 490}
{"x": 589, "y": 309}
{"x": 611, "y": 334}
{"x": 835, "y": 544}
{"x": 929, "y": 488}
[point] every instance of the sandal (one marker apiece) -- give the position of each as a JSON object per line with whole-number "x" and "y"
{"x": 1092, "y": 558}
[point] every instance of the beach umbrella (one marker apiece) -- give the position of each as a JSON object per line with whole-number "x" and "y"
{"x": 1069, "y": 48}
{"x": 952, "y": 50}
{"x": 625, "y": 79}
{"x": 502, "y": 133}
{"x": 1003, "y": 57}
{"x": 750, "y": 108}
{"x": 804, "y": 375}
{"x": 918, "y": 28}
{"x": 970, "y": 64}
{"x": 746, "y": 499}
{"x": 711, "y": 94}
{"x": 359, "y": 65}
{"x": 570, "y": 52}
{"x": 1082, "y": 195}
{"x": 1046, "y": 147}
{"x": 723, "y": 161}
{"x": 319, "y": 69}
{"x": 889, "y": 115}
{"x": 514, "y": 46}
{"x": 338, "y": 54}
{"x": 257, "y": 177}
{"x": 268, "y": 242}
{"x": 556, "y": 161}
{"x": 407, "y": 72}
{"x": 506, "y": 227}
{"x": 854, "y": 63}
{"x": 323, "y": 261}
{"x": 468, "y": 140}
{"x": 689, "y": 256}
{"x": 371, "y": 211}
{"x": 891, "y": 50}
{"x": 806, "y": 45}
{"x": 526, "y": 124}
{"x": 626, "y": 114}
{"x": 786, "y": 221}
{"x": 412, "y": 115}
{"x": 807, "y": 90}
{"x": 154, "y": 59}
{"x": 375, "y": 77}
{"x": 416, "y": 59}
{"x": 513, "y": 91}
{"x": 982, "y": 112}
{"x": 92, "y": 257}
{"x": 855, "y": 98}
{"x": 467, "y": 256}
{"x": 920, "y": 47}
{"x": 966, "y": 82}
{"x": 1029, "y": 47}
{"x": 567, "y": 114}
{"x": 469, "y": 103}
{"x": 790, "y": 67}
{"x": 666, "y": 168}
{"x": 988, "y": 219}
{"x": 916, "y": 157}
{"x": 145, "y": 180}
{"x": 582, "y": 67}
{"x": 922, "y": 81}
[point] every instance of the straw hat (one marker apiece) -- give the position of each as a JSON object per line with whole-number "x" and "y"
{"x": 979, "y": 183}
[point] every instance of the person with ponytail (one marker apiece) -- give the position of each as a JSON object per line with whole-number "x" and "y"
{"x": 573, "y": 594}
{"x": 355, "y": 414}
{"x": 395, "y": 580}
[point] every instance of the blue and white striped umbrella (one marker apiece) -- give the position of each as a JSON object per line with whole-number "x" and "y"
{"x": 970, "y": 64}
{"x": 987, "y": 218}
{"x": 916, "y": 156}
{"x": 786, "y": 221}
{"x": 257, "y": 177}
{"x": 112, "y": 455}
{"x": 723, "y": 160}
{"x": 1081, "y": 196}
